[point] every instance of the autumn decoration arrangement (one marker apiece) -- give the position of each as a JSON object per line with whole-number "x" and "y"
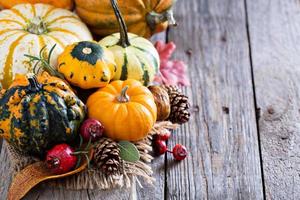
{"x": 107, "y": 139}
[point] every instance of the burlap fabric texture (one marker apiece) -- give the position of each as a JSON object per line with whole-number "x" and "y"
{"x": 93, "y": 178}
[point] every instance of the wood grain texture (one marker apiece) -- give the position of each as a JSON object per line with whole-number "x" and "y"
{"x": 5, "y": 173}
{"x": 274, "y": 29}
{"x": 1, "y": 141}
{"x": 222, "y": 135}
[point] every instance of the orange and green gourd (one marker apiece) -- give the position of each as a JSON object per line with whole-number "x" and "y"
{"x": 125, "y": 108}
{"x": 143, "y": 17}
{"x": 37, "y": 112}
{"x": 87, "y": 65}
{"x": 135, "y": 56}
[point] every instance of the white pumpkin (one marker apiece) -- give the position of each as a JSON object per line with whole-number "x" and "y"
{"x": 26, "y": 28}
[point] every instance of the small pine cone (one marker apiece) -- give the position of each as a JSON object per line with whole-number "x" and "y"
{"x": 171, "y": 88}
{"x": 179, "y": 106}
{"x": 106, "y": 156}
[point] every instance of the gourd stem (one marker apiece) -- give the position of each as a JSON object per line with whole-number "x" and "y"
{"x": 34, "y": 85}
{"x": 124, "y": 40}
{"x": 123, "y": 98}
{"x": 154, "y": 18}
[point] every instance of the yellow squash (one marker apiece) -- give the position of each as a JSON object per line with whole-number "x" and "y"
{"x": 125, "y": 108}
{"x": 26, "y": 28}
{"x": 87, "y": 65}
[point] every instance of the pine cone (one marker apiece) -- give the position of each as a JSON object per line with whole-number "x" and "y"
{"x": 171, "y": 88}
{"x": 106, "y": 156}
{"x": 179, "y": 105}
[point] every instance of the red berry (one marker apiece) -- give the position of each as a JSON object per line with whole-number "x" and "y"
{"x": 91, "y": 128}
{"x": 160, "y": 147}
{"x": 179, "y": 152}
{"x": 165, "y": 135}
{"x": 60, "y": 160}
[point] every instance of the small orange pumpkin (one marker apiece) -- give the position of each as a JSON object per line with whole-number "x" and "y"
{"x": 125, "y": 108}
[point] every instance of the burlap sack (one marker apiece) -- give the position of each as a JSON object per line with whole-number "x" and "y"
{"x": 95, "y": 179}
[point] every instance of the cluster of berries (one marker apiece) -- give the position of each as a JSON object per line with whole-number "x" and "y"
{"x": 160, "y": 147}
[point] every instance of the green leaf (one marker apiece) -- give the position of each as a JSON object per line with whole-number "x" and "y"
{"x": 128, "y": 151}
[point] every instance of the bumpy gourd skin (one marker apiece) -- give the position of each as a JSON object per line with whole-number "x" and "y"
{"x": 34, "y": 116}
{"x": 87, "y": 65}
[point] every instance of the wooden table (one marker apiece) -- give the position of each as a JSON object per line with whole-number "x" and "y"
{"x": 244, "y": 134}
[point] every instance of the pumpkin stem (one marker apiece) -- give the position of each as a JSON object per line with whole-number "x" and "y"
{"x": 123, "y": 98}
{"x": 36, "y": 26}
{"x": 154, "y": 18}
{"x": 124, "y": 40}
{"x": 34, "y": 85}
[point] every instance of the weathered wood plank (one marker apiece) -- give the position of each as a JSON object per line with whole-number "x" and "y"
{"x": 222, "y": 135}
{"x": 1, "y": 141}
{"x": 274, "y": 29}
{"x": 5, "y": 173}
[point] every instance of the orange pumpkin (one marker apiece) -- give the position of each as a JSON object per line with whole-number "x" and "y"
{"x": 67, "y": 4}
{"x": 142, "y": 17}
{"x": 125, "y": 108}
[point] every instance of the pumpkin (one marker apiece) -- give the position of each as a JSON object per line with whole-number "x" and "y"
{"x": 87, "y": 65}
{"x": 162, "y": 102}
{"x": 125, "y": 108}
{"x": 67, "y": 4}
{"x": 37, "y": 112}
{"x": 136, "y": 57}
{"x": 26, "y": 28}
{"x": 143, "y": 17}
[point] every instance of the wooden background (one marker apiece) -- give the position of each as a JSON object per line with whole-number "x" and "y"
{"x": 244, "y": 135}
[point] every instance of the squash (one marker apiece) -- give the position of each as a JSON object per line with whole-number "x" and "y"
{"x": 136, "y": 57}
{"x": 143, "y": 17}
{"x": 87, "y": 65}
{"x": 37, "y": 112}
{"x": 26, "y": 28}
{"x": 67, "y": 4}
{"x": 125, "y": 108}
{"x": 162, "y": 102}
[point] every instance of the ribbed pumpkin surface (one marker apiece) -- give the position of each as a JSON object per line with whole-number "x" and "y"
{"x": 19, "y": 36}
{"x": 130, "y": 117}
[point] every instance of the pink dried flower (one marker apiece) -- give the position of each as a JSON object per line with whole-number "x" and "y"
{"x": 172, "y": 72}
